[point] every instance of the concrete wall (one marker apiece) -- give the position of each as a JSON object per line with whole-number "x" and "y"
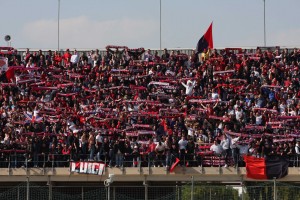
{"x": 135, "y": 175}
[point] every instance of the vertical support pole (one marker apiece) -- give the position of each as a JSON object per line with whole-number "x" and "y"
{"x": 177, "y": 191}
{"x": 160, "y": 25}
{"x": 192, "y": 189}
{"x": 275, "y": 192}
{"x": 50, "y": 188}
{"x": 108, "y": 192}
{"x": 243, "y": 191}
{"x": 18, "y": 195}
{"x": 146, "y": 189}
{"x": 27, "y": 189}
{"x": 82, "y": 193}
{"x": 26, "y": 162}
{"x": 265, "y": 35}
{"x": 58, "y": 18}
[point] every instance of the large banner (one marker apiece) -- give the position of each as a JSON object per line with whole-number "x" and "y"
{"x": 88, "y": 167}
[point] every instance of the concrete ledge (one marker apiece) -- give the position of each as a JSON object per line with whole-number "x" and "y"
{"x": 136, "y": 174}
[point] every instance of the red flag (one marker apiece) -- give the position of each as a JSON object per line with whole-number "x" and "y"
{"x": 10, "y": 73}
{"x": 256, "y": 167}
{"x": 174, "y": 165}
{"x": 266, "y": 168}
{"x": 206, "y": 41}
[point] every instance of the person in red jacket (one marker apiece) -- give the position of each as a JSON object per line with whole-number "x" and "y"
{"x": 67, "y": 58}
{"x": 66, "y": 154}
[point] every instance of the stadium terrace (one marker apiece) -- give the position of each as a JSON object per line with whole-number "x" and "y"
{"x": 141, "y": 108}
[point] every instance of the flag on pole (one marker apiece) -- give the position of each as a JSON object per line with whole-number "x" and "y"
{"x": 206, "y": 41}
{"x": 174, "y": 165}
{"x": 266, "y": 168}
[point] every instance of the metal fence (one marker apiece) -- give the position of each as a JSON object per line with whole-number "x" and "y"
{"x": 271, "y": 190}
{"x": 17, "y": 160}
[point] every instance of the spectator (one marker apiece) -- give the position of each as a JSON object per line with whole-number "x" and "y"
{"x": 235, "y": 150}
{"x": 118, "y": 152}
{"x": 92, "y": 146}
{"x": 160, "y": 153}
{"x": 148, "y": 57}
{"x": 216, "y": 148}
{"x": 74, "y": 58}
{"x": 182, "y": 144}
{"x": 135, "y": 156}
{"x": 189, "y": 87}
{"x": 225, "y": 143}
{"x": 165, "y": 56}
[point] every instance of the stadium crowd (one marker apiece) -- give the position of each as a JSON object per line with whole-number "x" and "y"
{"x": 132, "y": 107}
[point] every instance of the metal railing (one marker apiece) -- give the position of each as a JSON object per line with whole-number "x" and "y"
{"x": 25, "y": 160}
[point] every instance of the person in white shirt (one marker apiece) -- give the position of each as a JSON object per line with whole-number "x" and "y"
{"x": 243, "y": 147}
{"x": 282, "y": 106}
{"x": 191, "y": 129}
{"x": 99, "y": 141}
{"x": 214, "y": 94}
{"x": 30, "y": 64}
{"x": 297, "y": 148}
{"x": 225, "y": 143}
{"x": 230, "y": 110}
{"x": 239, "y": 114}
{"x": 189, "y": 87}
{"x": 258, "y": 118}
{"x": 216, "y": 148}
{"x": 182, "y": 148}
{"x": 75, "y": 58}
{"x": 235, "y": 149}
{"x": 160, "y": 152}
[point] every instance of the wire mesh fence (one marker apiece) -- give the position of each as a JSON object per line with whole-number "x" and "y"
{"x": 187, "y": 191}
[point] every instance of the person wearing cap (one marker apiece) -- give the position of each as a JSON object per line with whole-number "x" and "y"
{"x": 135, "y": 156}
